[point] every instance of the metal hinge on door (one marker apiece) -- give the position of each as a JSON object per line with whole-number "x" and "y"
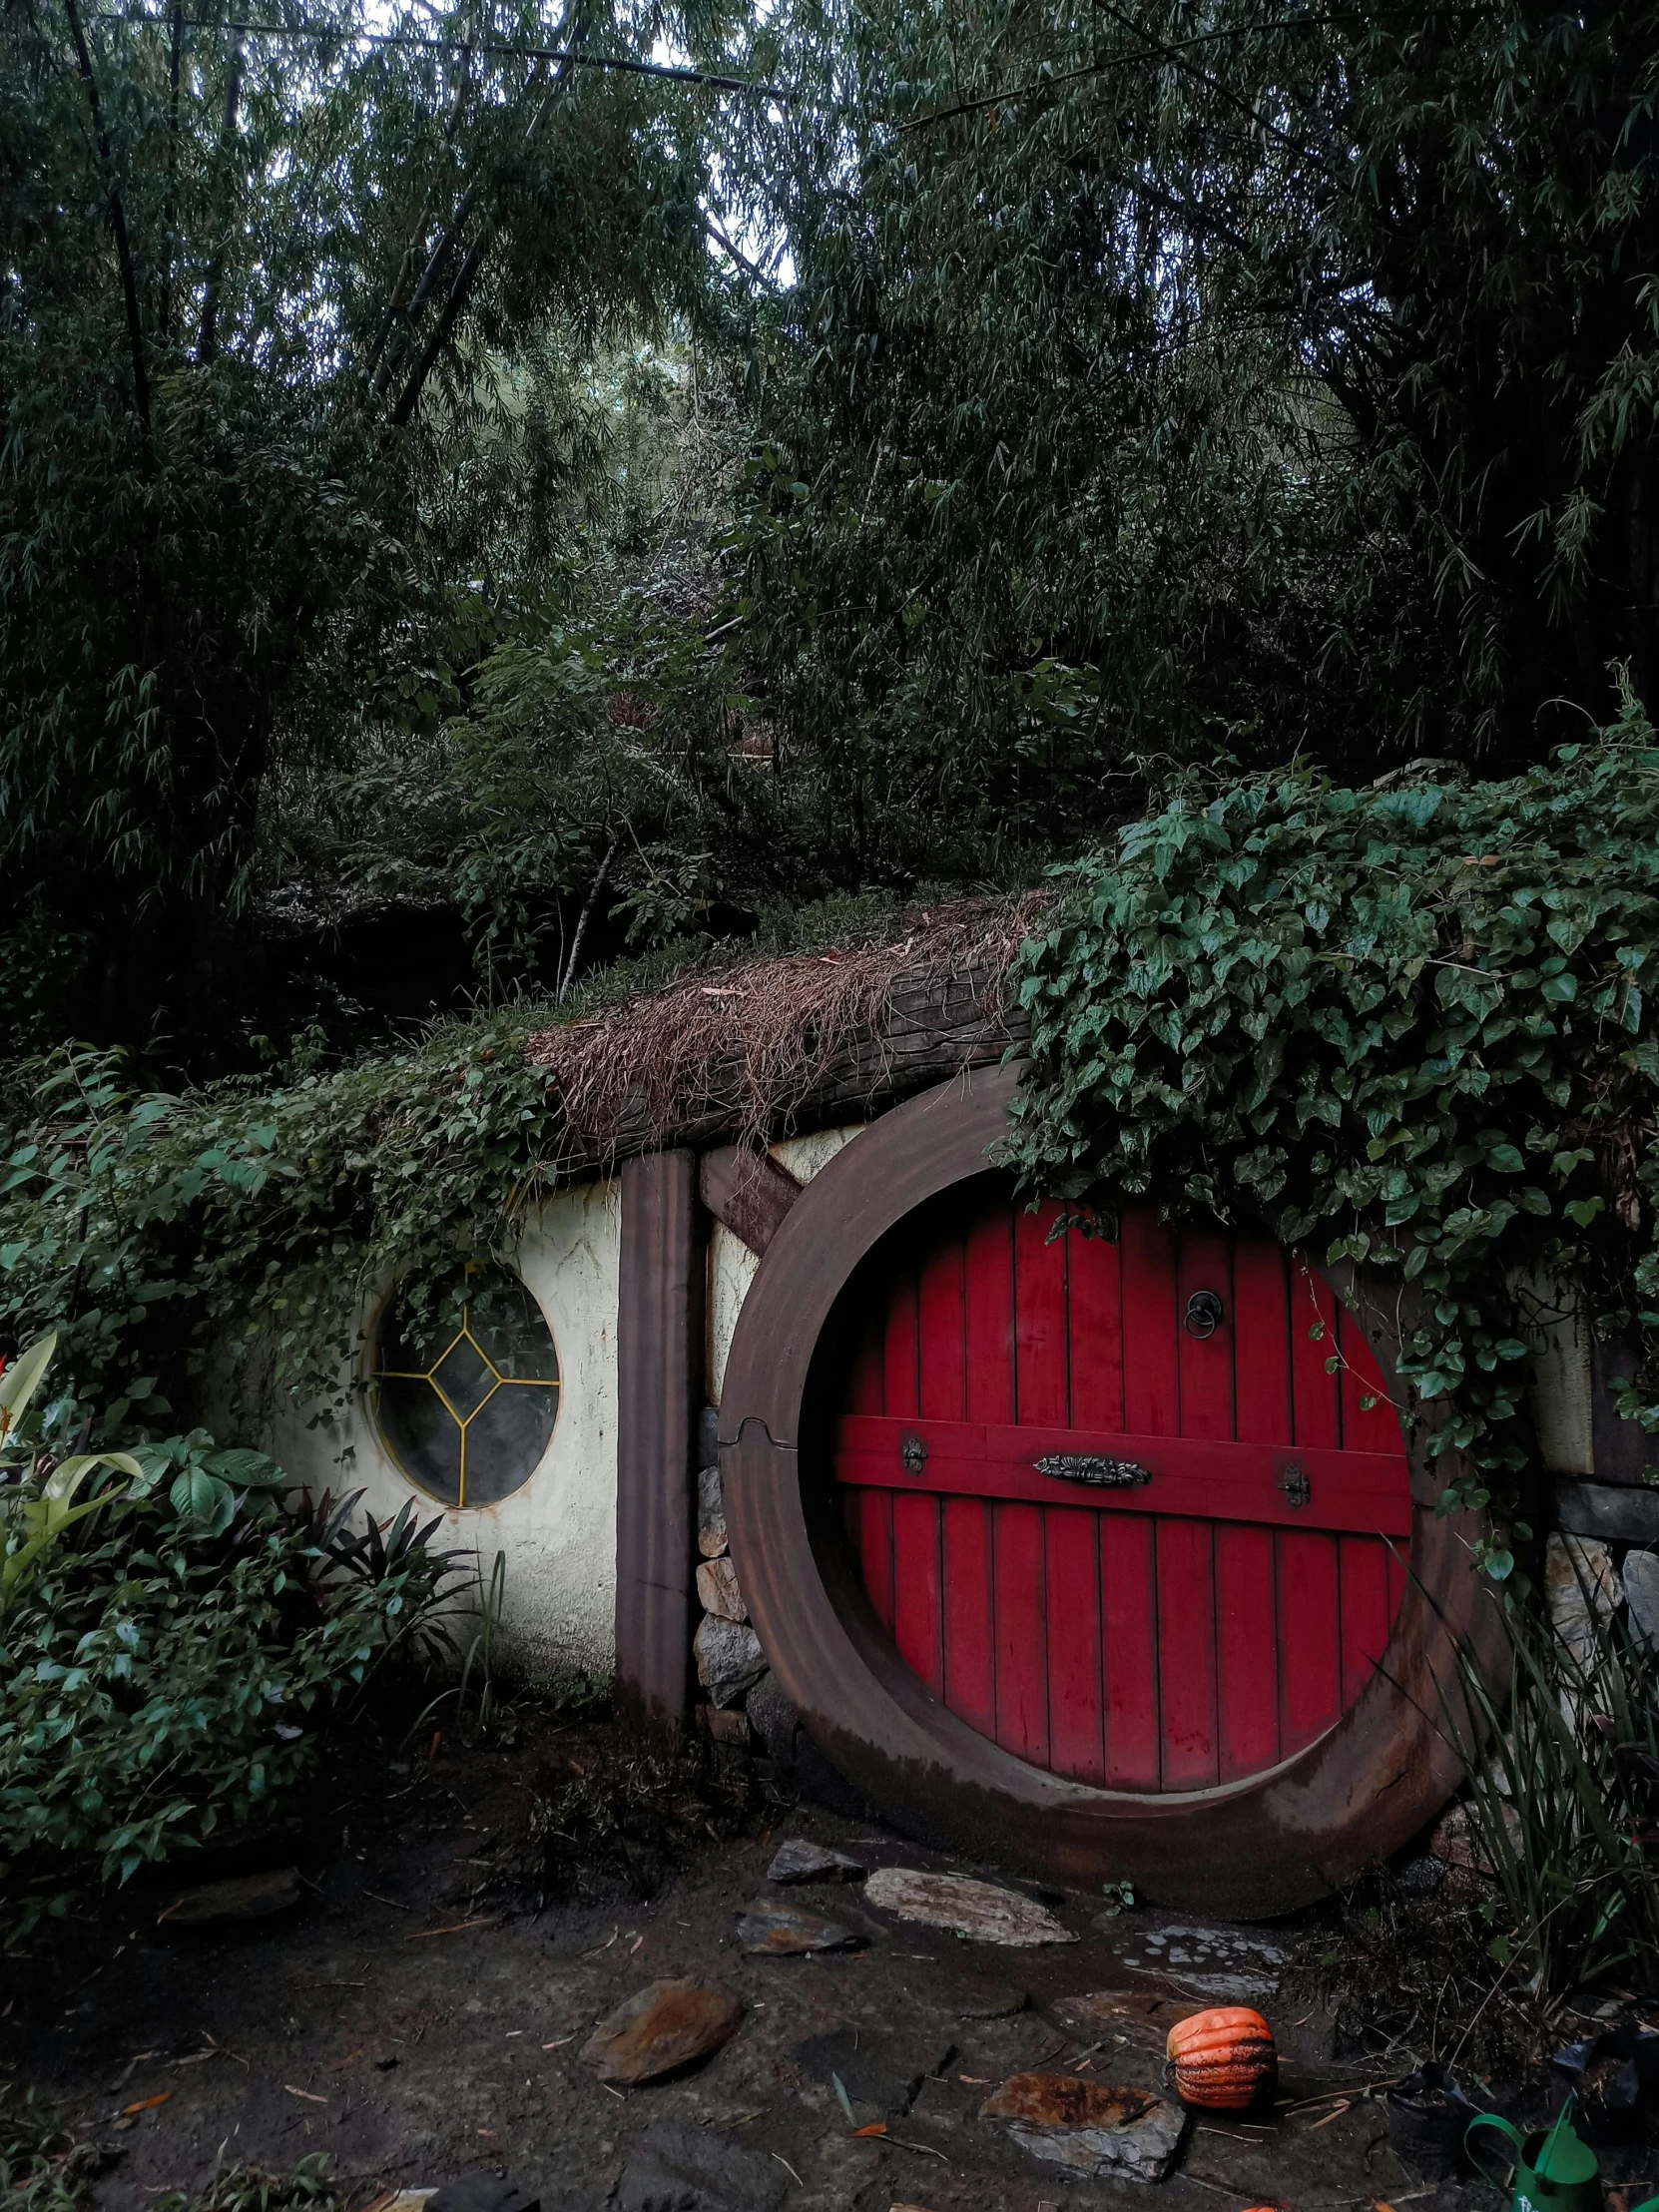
{"x": 1295, "y": 1486}
{"x": 914, "y": 1452}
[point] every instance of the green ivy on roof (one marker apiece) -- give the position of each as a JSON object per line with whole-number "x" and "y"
{"x": 1413, "y": 1027}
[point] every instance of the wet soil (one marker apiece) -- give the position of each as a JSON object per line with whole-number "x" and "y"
{"x": 419, "y": 2014}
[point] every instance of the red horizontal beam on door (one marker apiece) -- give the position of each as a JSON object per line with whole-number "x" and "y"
{"x": 1207, "y": 1478}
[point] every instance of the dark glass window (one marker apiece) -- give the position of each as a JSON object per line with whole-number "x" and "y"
{"x": 465, "y": 1381}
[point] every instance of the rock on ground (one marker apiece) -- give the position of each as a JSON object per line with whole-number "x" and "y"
{"x": 248, "y": 1896}
{"x": 678, "y": 2168}
{"x": 800, "y": 1861}
{"x": 1221, "y": 1964}
{"x": 980, "y": 1911}
{"x": 879, "y": 2074}
{"x": 664, "y": 2027}
{"x": 479, "y": 2192}
{"x": 776, "y": 1927}
{"x": 1094, "y": 2132}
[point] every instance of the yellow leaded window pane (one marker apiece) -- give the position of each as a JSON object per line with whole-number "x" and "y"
{"x": 466, "y": 1386}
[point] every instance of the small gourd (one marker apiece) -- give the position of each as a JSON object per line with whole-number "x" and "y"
{"x": 1223, "y": 2059}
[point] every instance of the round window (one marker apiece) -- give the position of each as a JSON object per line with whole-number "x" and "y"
{"x": 466, "y": 1386}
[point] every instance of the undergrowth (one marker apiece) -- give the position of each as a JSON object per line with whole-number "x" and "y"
{"x": 46, "y": 2167}
{"x": 1410, "y": 1976}
{"x": 620, "y": 1813}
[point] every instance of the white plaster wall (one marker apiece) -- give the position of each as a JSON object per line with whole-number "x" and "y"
{"x": 732, "y": 1265}
{"x": 1558, "y": 1331}
{"x": 557, "y": 1533}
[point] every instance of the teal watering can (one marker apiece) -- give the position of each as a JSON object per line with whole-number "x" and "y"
{"x": 1550, "y": 2170}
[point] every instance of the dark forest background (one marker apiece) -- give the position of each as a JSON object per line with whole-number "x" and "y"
{"x": 484, "y": 489}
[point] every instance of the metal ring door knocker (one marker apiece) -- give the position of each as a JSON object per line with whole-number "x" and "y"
{"x": 1204, "y": 1313}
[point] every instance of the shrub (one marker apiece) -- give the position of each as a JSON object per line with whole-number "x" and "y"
{"x": 166, "y": 1664}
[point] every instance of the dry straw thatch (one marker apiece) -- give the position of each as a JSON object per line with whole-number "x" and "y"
{"x": 754, "y": 1050}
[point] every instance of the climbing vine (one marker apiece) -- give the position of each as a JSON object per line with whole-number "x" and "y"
{"x": 1412, "y": 1027}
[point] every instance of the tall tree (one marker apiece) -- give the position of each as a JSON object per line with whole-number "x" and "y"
{"x": 266, "y": 294}
{"x": 1180, "y": 378}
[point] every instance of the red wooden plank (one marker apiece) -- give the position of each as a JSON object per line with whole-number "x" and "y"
{"x": 1205, "y": 1263}
{"x": 901, "y": 1352}
{"x": 1309, "y": 1657}
{"x": 1128, "y": 1604}
{"x": 1362, "y": 1568}
{"x": 1094, "y": 1293}
{"x": 876, "y": 1551}
{"x": 990, "y": 1314}
{"x": 1151, "y": 1384}
{"x": 1021, "y": 1655}
{"x": 864, "y": 1377}
{"x": 1247, "y": 1651}
{"x": 1187, "y": 1653}
{"x": 916, "y": 1594}
{"x": 1262, "y": 1347}
{"x": 941, "y": 1304}
{"x": 1075, "y": 1742}
{"x": 969, "y": 1670}
{"x": 1370, "y": 1421}
{"x": 1041, "y": 1391}
{"x": 1315, "y": 1395}
{"x": 1361, "y": 1493}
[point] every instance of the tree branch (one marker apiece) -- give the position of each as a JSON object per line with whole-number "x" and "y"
{"x": 170, "y": 210}
{"x": 118, "y": 224}
{"x": 588, "y": 905}
{"x": 1167, "y": 52}
{"x": 467, "y": 275}
{"x": 208, "y": 344}
{"x": 407, "y": 267}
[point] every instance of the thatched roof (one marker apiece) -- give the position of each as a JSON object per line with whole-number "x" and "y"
{"x": 771, "y": 1047}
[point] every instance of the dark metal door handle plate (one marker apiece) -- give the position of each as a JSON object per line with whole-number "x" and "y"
{"x": 1079, "y": 1467}
{"x": 1295, "y": 1486}
{"x": 914, "y": 1452}
{"x": 1205, "y": 1313}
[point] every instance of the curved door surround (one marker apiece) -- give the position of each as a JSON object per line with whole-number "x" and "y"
{"x": 1252, "y": 1846}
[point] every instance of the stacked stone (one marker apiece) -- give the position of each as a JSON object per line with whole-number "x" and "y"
{"x": 744, "y": 1700}
{"x": 730, "y": 1661}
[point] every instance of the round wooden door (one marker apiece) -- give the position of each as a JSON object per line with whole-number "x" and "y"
{"x": 1137, "y": 1513}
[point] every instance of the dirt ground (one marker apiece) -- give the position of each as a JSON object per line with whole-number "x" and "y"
{"x": 419, "y": 2017}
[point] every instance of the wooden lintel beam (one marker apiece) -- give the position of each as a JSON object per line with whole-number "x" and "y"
{"x": 749, "y": 1190}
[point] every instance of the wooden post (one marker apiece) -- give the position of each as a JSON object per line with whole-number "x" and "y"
{"x": 659, "y": 1390}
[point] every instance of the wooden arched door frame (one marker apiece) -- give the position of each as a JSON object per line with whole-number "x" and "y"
{"x": 1250, "y": 1848}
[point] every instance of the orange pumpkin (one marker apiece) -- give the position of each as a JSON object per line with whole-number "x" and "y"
{"x": 1224, "y": 2059}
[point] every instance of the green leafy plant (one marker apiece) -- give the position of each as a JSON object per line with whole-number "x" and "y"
{"x": 165, "y": 1674}
{"x": 1564, "y": 1805}
{"x": 42, "y": 2167}
{"x": 207, "y": 1484}
{"x": 39, "y": 1509}
{"x": 1413, "y": 1029}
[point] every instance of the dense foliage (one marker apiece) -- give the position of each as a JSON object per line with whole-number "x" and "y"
{"x": 310, "y": 343}
{"x": 1413, "y": 1028}
{"x": 163, "y": 1675}
{"x": 1171, "y": 380}
{"x": 473, "y": 500}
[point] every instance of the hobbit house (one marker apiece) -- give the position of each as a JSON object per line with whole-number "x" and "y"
{"x": 1109, "y": 1559}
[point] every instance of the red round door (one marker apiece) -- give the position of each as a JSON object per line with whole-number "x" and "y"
{"x": 1138, "y": 1512}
